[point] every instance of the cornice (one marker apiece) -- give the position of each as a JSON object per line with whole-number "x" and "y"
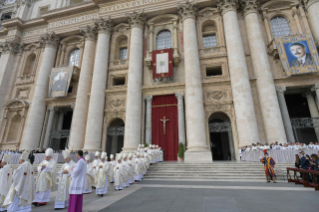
{"x": 225, "y": 6}
{"x": 250, "y": 6}
{"x": 189, "y": 9}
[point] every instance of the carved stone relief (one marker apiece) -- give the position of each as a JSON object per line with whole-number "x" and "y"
{"x": 23, "y": 93}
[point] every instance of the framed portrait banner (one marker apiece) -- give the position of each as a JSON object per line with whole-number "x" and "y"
{"x": 298, "y": 54}
{"x": 162, "y": 63}
{"x": 60, "y": 81}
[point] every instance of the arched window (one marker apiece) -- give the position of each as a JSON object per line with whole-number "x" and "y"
{"x": 209, "y": 30}
{"x": 280, "y": 26}
{"x": 121, "y": 43}
{"x": 29, "y": 65}
{"x": 74, "y": 57}
{"x": 14, "y": 128}
{"x": 164, "y": 40}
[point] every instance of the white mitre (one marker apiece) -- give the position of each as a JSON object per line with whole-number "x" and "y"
{"x": 141, "y": 154}
{"x": 49, "y": 152}
{"x": 6, "y": 158}
{"x": 103, "y": 155}
{"x": 111, "y": 156}
{"x": 97, "y": 154}
{"x": 130, "y": 155}
{"x": 66, "y": 154}
{"x": 87, "y": 157}
{"x": 124, "y": 155}
{"x": 25, "y": 155}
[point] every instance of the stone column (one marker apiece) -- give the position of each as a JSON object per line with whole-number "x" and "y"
{"x": 270, "y": 110}
{"x": 313, "y": 109}
{"x": 78, "y": 126}
{"x": 60, "y": 121}
{"x": 181, "y": 122}
{"x": 197, "y": 148}
{"x": 266, "y": 22}
{"x": 36, "y": 114}
{"x": 94, "y": 127}
{"x": 285, "y": 114}
{"x": 133, "y": 120}
{"x": 295, "y": 14}
{"x": 241, "y": 91}
{"x": 315, "y": 88}
{"x": 148, "y": 131}
{"x": 312, "y": 7}
{"x": 49, "y": 128}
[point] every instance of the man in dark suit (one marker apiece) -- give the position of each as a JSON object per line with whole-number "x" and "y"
{"x": 302, "y": 58}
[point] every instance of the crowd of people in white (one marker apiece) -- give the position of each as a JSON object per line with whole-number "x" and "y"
{"x": 21, "y": 188}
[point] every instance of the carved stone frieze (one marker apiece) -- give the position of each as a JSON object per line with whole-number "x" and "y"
{"x": 227, "y": 5}
{"x": 308, "y": 3}
{"x": 216, "y": 96}
{"x": 115, "y": 102}
{"x": 9, "y": 47}
{"x": 50, "y": 40}
{"x": 189, "y": 9}
{"x": 89, "y": 32}
{"x": 250, "y": 6}
{"x": 104, "y": 25}
{"x": 23, "y": 93}
{"x": 136, "y": 19}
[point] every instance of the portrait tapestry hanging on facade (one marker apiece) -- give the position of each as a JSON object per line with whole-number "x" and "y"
{"x": 60, "y": 81}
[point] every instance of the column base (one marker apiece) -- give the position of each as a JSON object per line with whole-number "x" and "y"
{"x": 204, "y": 156}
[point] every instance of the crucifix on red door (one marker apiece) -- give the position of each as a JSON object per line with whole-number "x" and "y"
{"x": 164, "y": 120}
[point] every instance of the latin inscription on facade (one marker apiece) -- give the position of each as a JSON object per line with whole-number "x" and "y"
{"x": 131, "y": 4}
{"x": 73, "y": 20}
{"x": 33, "y": 32}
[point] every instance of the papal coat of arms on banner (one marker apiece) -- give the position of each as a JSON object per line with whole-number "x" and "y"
{"x": 298, "y": 54}
{"x": 60, "y": 81}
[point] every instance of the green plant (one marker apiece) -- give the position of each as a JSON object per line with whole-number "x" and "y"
{"x": 181, "y": 150}
{"x": 145, "y": 145}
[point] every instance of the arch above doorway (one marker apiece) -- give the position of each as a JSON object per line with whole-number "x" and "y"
{"x": 115, "y": 136}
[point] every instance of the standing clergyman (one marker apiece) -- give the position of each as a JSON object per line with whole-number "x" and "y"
{"x": 21, "y": 192}
{"x": 62, "y": 197}
{"x": 90, "y": 176}
{"x": 102, "y": 176}
{"x": 78, "y": 184}
{"x": 45, "y": 180}
{"x": 5, "y": 179}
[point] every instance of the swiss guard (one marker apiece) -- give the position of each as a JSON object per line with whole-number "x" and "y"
{"x": 269, "y": 164}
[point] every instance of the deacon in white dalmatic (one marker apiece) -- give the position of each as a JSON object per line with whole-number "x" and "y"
{"x": 5, "y": 179}
{"x": 96, "y": 162}
{"x": 21, "y": 192}
{"x": 119, "y": 174}
{"x": 45, "y": 180}
{"x": 90, "y": 176}
{"x": 102, "y": 175}
{"x": 62, "y": 197}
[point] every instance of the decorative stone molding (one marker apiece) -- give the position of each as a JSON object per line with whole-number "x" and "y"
{"x": 315, "y": 87}
{"x": 179, "y": 95}
{"x": 50, "y": 40}
{"x": 188, "y": 9}
{"x": 23, "y": 93}
{"x": 250, "y": 6}
{"x": 148, "y": 98}
{"x": 10, "y": 47}
{"x": 308, "y": 3}
{"x": 136, "y": 19}
{"x": 28, "y": 3}
{"x": 104, "y": 25}
{"x": 225, "y": 6}
{"x": 281, "y": 89}
{"x": 89, "y": 32}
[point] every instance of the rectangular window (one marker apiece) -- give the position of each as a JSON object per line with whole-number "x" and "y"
{"x": 209, "y": 41}
{"x": 213, "y": 71}
{"x": 6, "y": 16}
{"x": 119, "y": 81}
{"x": 123, "y": 53}
{"x": 43, "y": 10}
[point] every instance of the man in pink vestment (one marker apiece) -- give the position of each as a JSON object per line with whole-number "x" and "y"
{"x": 78, "y": 184}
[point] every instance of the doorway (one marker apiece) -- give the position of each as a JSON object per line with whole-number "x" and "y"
{"x": 115, "y": 137}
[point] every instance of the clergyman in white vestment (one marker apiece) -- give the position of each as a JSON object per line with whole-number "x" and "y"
{"x": 102, "y": 175}
{"x": 5, "y": 179}
{"x": 21, "y": 193}
{"x": 119, "y": 173}
{"x": 95, "y": 162}
{"x": 90, "y": 176}
{"x": 46, "y": 179}
{"x": 62, "y": 197}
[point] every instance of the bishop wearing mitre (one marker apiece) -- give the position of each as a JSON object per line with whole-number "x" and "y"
{"x": 90, "y": 176}
{"x": 45, "y": 181}
{"x": 113, "y": 163}
{"x": 62, "y": 197}
{"x": 119, "y": 174}
{"x": 102, "y": 175}
{"x": 5, "y": 179}
{"x": 95, "y": 162}
{"x": 21, "y": 192}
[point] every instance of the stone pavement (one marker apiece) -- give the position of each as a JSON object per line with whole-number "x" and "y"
{"x": 201, "y": 196}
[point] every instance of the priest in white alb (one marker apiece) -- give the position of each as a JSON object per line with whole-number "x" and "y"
{"x": 62, "y": 197}
{"x": 102, "y": 175}
{"x": 78, "y": 184}
{"x": 46, "y": 179}
{"x": 119, "y": 174}
{"x": 5, "y": 179}
{"x": 21, "y": 192}
{"x": 90, "y": 176}
{"x": 113, "y": 163}
{"x": 95, "y": 163}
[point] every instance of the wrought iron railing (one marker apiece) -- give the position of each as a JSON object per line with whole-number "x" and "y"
{"x": 115, "y": 131}
{"x": 299, "y": 123}
{"x": 220, "y": 127}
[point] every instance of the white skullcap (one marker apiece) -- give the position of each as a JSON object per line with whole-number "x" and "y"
{"x": 97, "y": 154}
{"x": 6, "y": 158}
{"x": 49, "y": 152}
{"x": 87, "y": 157}
{"x": 111, "y": 156}
{"x": 25, "y": 155}
{"x": 103, "y": 155}
{"x": 66, "y": 154}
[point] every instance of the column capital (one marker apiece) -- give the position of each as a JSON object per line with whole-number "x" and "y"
{"x": 315, "y": 87}
{"x": 250, "y": 6}
{"x": 104, "y": 25}
{"x": 225, "y": 6}
{"x": 11, "y": 47}
{"x": 51, "y": 108}
{"x": 281, "y": 89}
{"x": 148, "y": 98}
{"x": 136, "y": 19}
{"x": 179, "y": 95}
{"x": 89, "y": 32}
{"x": 308, "y": 3}
{"x": 188, "y": 9}
{"x": 50, "y": 40}
{"x": 28, "y": 3}
{"x": 294, "y": 11}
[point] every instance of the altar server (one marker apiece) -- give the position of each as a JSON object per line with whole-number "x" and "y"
{"x": 102, "y": 175}
{"x": 96, "y": 162}
{"x": 62, "y": 197}
{"x": 119, "y": 174}
{"x": 21, "y": 192}
{"x": 46, "y": 179}
{"x": 90, "y": 177}
{"x": 78, "y": 184}
{"x": 5, "y": 179}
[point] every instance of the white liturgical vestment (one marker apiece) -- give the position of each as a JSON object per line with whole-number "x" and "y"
{"x": 119, "y": 177}
{"x": 78, "y": 182}
{"x": 90, "y": 178}
{"x": 5, "y": 183}
{"x": 102, "y": 177}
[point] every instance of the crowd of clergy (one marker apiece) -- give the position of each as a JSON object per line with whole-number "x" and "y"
{"x": 21, "y": 188}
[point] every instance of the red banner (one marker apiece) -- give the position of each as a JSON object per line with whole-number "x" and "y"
{"x": 170, "y": 72}
{"x": 165, "y": 125}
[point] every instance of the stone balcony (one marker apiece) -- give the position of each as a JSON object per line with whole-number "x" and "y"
{"x": 218, "y": 51}
{"x": 118, "y": 65}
